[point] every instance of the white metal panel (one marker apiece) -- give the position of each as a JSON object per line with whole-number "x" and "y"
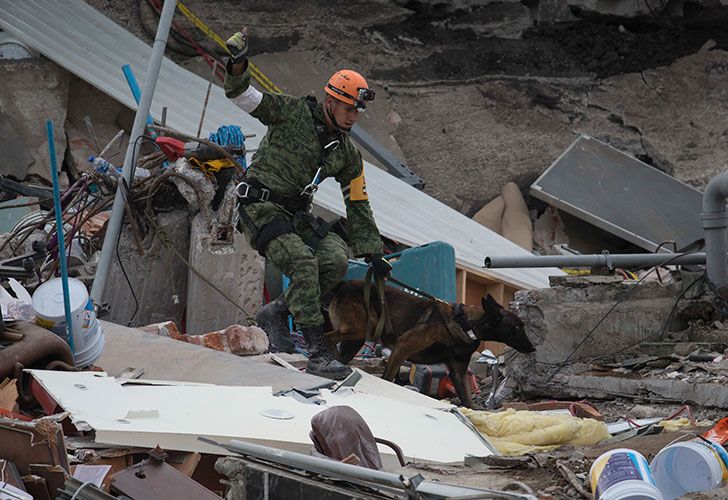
{"x": 85, "y": 42}
{"x": 173, "y": 416}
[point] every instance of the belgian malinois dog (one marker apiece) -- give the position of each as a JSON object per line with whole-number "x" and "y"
{"x": 422, "y": 330}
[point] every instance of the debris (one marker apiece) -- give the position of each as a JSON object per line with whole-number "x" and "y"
{"x": 153, "y": 479}
{"x": 581, "y": 409}
{"x": 73, "y": 489}
{"x": 621, "y": 473}
{"x": 503, "y": 462}
{"x": 518, "y": 432}
{"x": 53, "y": 477}
{"x": 571, "y": 478}
{"x": 9, "y": 475}
{"x": 91, "y": 473}
{"x": 235, "y": 339}
{"x": 37, "y": 442}
{"x": 718, "y": 433}
{"x": 165, "y": 329}
{"x": 8, "y": 395}
{"x": 19, "y": 307}
{"x": 340, "y": 432}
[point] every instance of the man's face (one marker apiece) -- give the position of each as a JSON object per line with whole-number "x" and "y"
{"x": 345, "y": 114}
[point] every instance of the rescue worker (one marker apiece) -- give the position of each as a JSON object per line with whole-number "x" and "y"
{"x": 306, "y": 142}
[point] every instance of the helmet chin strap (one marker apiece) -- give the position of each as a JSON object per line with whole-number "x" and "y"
{"x": 338, "y": 127}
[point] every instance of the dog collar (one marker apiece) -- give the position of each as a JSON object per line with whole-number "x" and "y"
{"x": 458, "y": 314}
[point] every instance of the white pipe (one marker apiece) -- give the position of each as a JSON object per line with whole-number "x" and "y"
{"x": 117, "y": 210}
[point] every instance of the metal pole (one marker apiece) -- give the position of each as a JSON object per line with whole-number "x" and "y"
{"x": 598, "y": 260}
{"x": 60, "y": 236}
{"x": 715, "y": 221}
{"x": 117, "y": 210}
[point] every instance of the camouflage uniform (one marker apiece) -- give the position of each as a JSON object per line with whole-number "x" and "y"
{"x": 286, "y": 161}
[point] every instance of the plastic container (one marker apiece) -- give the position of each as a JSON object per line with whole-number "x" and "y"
{"x": 623, "y": 474}
{"x": 430, "y": 267}
{"x": 689, "y": 466}
{"x": 88, "y": 336}
{"x": 103, "y": 166}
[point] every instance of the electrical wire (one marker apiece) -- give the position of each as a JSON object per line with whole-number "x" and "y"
{"x": 665, "y": 324}
{"x": 118, "y": 257}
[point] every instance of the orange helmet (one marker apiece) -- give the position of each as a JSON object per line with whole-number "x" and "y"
{"x": 350, "y": 87}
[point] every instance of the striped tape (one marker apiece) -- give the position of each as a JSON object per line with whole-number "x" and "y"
{"x": 256, "y": 73}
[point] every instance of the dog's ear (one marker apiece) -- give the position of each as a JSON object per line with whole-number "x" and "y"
{"x": 490, "y": 305}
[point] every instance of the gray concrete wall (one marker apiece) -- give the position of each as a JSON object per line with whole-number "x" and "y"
{"x": 158, "y": 277}
{"x": 233, "y": 267}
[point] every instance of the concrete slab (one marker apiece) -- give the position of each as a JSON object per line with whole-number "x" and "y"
{"x": 163, "y": 358}
{"x": 230, "y": 263}
{"x": 158, "y": 277}
{"x": 651, "y": 389}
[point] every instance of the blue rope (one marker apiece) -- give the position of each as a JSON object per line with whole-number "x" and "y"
{"x": 230, "y": 135}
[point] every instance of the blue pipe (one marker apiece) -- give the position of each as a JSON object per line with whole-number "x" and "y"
{"x": 61, "y": 237}
{"x": 136, "y": 92}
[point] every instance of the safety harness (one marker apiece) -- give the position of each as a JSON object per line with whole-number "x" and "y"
{"x": 251, "y": 191}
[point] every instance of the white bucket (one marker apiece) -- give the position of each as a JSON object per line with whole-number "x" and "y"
{"x": 689, "y": 466}
{"x": 88, "y": 336}
{"x": 622, "y": 474}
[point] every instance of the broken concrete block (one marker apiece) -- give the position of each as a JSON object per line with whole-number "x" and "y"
{"x": 164, "y": 329}
{"x": 95, "y": 227}
{"x": 246, "y": 341}
{"x": 235, "y": 339}
{"x": 559, "y": 319}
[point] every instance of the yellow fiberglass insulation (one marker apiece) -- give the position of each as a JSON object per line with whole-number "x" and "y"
{"x": 518, "y": 432}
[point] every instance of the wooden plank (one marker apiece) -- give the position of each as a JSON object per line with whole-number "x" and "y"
{"x": 461, "y": 278}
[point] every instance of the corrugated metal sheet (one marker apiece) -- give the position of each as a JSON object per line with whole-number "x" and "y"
{"x": 82, "y": 40}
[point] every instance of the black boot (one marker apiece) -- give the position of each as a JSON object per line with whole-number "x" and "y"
{"x": 273, "y": 319}
{"x": 321, "y": 360}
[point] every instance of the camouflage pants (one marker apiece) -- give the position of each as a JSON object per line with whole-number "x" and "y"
{"x": 312, "y": 274}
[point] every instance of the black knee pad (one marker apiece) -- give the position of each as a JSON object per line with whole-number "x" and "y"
{"x": 275, "y": 228}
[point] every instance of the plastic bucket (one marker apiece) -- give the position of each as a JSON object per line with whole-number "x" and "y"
{"x": 689, "y": 466}
{"x": 88, "y": 336}
{"x": 622, "y": 474}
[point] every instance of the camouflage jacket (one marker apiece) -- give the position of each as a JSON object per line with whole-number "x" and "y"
{"x": 290, "y": 154}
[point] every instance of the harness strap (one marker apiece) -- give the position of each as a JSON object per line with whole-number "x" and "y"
{"x": 384, "y": 322}
{"x": 253, "y": 191}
